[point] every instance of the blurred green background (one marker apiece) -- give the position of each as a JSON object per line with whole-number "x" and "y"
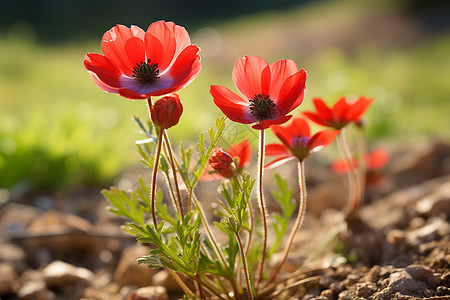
{"x": 59, "y": 131}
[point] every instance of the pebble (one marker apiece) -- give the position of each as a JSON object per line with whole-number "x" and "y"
{"x": 128, "y": 272}
{"x": 149, "y": 293}
{"x": 58, "y": 274}
{"x": 8, "y": 279}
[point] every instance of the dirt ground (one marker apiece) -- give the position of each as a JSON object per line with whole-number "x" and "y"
{"x": 71, "y": 247}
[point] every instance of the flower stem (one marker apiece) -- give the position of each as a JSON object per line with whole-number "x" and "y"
{"x": 155, "y": 172}
{"x": 299, "y": 220}
{"x": 180, "y": 282}
{"x": 262, "y": 204}
{"x": 362, "y": 163}
{"x": 244, "y": 265}
{"x": 353, "y": 180}
{"x": 172, "y": 165}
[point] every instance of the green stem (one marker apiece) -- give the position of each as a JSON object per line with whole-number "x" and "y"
{"x": 262, "y": 204}
{"x": 244, "y": 265}
{"x": 298, "y": 221}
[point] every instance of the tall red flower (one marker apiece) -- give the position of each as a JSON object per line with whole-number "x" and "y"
{"x": 270, "y": 91}
{"x": 297, "y": 142}
{"x": 240, "y": 153}
{"x": 342, "y": 112}
{"x": 138, "y": 64}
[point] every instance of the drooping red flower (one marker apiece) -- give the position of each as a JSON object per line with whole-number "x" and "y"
{"x": 270, "y": 91}
{"x": 343, "y": 112}
{"x": 138, "y": 64}
{"x": 297, "y": 142}
{"x": 240, "y": 154}
{"x": 166, "y": 112}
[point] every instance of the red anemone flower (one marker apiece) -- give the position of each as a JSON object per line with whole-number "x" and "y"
{"x": 375, "y": 161}
{"x": 240, "y": 153}
{"x": 138, "y": 64}
{"x": 297, "y": 142}
{"x": 342, "y": 112}
{"x": 270, "y": 92}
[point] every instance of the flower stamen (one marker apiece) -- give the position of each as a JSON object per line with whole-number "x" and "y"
{"x": 262, "y": 107}
{"x": 146, "y": 72}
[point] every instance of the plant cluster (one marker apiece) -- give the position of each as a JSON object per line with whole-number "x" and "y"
{"x": 140, "y": 64}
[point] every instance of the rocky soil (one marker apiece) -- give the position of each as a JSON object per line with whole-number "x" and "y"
{"x": 70, "y": 247}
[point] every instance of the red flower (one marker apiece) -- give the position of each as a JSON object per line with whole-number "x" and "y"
{"x": 167, "y": 111}
{"x": 270, "y": 92}
{"x": 375, "y": 160}
{"x": 240, "y": 153}
{"x": 342, "y": 112}
{"x": 138, "y": 64}
{"x": 297, "y": 142}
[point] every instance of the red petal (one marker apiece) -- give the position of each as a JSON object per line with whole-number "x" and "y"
{"x": 277, "y": 150}
{"x": 292, "y": 93}
{"x": 315, "y": 118}
{"x": 342, "y": 166}
{"x": 241, "y": 150}
{"x": 160, "y": 47}
{"x": 135, "y": 50}
{"x": 323, "y": 111}
{"x": 278, "y": 162}
{"x": 168, "y": 32}
{"x": 283, "y": 134}
{"x": 299, "y": 127}
{"x": 131, "y": 94}
{"x": 113, "y": 46}
{"x": 321, "y": 139}
{"x": 377, "y": 159}
{"x": 103, "y": 69}
{"x": 280, "y": 71}
{"x": 247, "y": 75}
{"x": 232, "y": 105}
{"x": 340, "y": 110}
{"x": 267, "y": 123}
{"x": 358, "y": 108}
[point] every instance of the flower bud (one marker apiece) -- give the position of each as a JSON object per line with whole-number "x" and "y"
{"x": 222, "y": 162}
{"x": 166, "y": 111}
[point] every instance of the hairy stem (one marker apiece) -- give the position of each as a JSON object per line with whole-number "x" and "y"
{"x": 299, "y": 220}
{"x": 154, "y": 173}
{"x": 180, "y": 282}
{"x": 352, "y": 175}
{"x": 174, "y": 171}
{"x": 262, "y": 204}
{"x": 244, "y": 265}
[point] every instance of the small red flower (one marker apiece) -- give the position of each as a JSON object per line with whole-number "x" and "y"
{"x": 342, "y": 112}
{"x": 297, "y": 142}
{"x": 166, "y": 112}
{"x": 138, "y": 64}
{"x": 375, "y": 161}
{"x": 222, "y": 162}
{"x": 240, "y": 153}
{"x": 270, "y": 92}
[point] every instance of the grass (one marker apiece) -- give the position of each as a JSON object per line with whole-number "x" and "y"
{"x": 58, "y": 129}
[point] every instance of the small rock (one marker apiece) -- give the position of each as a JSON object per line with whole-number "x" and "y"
{"x": 58, "y": 274}
{"x": 419, "y": 272}
{"x": 149, "y": 293}
{"x": 8, "y": 279}
{"x": 327, "y": 294}
{"x": 436, "y": 227}
{"x": 403, "y": 283}
{"x": 52, "y": 220}
{"x": 128, "y": 272}
{"x": 35, "y": 290}
{"x": 13, "y": 256}
{"x": 436, "y": 203}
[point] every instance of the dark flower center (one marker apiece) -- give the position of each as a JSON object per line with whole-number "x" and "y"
{"x": 262, "y": 107}
{"x": 146, "y": 72}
